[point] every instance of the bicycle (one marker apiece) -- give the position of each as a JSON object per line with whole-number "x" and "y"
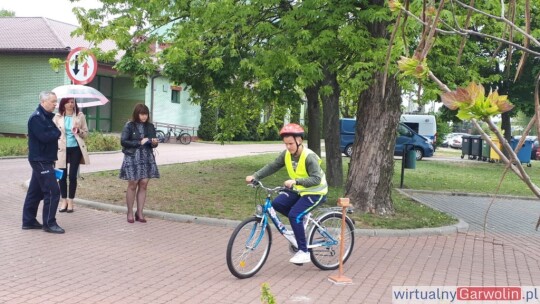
{"x": 182, "y": 137}
{"x": 249, "y": 244}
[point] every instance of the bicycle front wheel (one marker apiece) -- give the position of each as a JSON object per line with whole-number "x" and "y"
{"x": 248, "y": 248}
{"x": 325, "y": 252}
{"x": 184, "y": 138}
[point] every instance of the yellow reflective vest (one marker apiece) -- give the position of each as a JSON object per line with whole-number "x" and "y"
{"x": 301, "y": 172}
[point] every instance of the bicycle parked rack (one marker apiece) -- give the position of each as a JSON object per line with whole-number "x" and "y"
{"x": 182, "y": 134}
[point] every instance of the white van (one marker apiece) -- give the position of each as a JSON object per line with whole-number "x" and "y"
{"x": 424, "y": 125}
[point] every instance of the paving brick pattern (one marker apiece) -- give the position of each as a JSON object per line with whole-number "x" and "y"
{"x": 103, "y": 259}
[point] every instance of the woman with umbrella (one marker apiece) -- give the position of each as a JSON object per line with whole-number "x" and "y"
{"x": 71, "y": 149}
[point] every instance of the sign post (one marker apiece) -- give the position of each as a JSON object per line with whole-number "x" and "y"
{"x": 81, "y": 68}
{"x": 340, "y": 278}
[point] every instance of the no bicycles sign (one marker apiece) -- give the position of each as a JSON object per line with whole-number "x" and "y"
{"x": 81, "y": 68}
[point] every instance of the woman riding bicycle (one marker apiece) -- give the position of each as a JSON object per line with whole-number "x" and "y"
{"x": 306, "y": 177}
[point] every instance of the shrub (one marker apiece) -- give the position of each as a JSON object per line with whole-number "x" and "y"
{"x": 13, "y": 146}
{"x": 97, "y": 141}
{"x": 208, "y": 126}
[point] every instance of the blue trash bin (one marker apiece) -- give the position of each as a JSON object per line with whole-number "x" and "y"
{"x": 524, "y": 154}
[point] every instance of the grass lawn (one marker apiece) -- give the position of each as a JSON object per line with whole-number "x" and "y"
{"x": 216, "y": 188}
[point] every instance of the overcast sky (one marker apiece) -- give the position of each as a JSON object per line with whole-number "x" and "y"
{"x": 59, "y": 10}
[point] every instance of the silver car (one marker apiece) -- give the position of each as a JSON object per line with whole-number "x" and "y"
{"x": 453, "y": 140}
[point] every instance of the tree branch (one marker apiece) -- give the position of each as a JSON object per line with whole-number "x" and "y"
{"x": 502, "y": 19}
{"x": 464, "y": 32}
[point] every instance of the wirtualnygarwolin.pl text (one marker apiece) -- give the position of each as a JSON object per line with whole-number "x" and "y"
{"x": 465, "y": 294}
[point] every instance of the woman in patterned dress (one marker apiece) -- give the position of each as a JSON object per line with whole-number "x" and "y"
{"x": 139, "y": 165}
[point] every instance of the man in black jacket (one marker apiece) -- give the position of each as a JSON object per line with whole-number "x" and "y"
{"x": 42, "y": 153}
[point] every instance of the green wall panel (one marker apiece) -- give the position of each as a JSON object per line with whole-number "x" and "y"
{"x": 22, "y": 77}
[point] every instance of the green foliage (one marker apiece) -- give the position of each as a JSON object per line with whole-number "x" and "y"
{"x": 266, "y": 295}
{"x": 443, "y": 128}
{"x": 478, "y": 62}
{"x": 13, "y": 146}
{"x": 208, "y": 124}
{"x": 519, "y": 124}
{"x": 97, "y": 142}
{"x": 6, "y": 13}
{"x": 483, "y": 60}
{"x": 472, "y": 103}
{"x": 413, "y": 67}
{"x": 251, "y": 57}
{"x": 270, "y": 131}
{"x": 56, "y": 64}
{"x": 250, "y": 132}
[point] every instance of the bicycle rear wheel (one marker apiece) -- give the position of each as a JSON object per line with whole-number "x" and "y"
{"x": 160, "y": 136}
{"x": 184, "y": 138}
{"x": 248, "y": 248}
{"x": 326, "y": 256}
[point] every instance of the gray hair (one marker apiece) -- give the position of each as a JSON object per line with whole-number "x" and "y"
{"x": 44, "y": 95}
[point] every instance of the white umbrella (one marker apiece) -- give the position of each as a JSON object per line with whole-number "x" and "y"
{"x": 84, "y": 96}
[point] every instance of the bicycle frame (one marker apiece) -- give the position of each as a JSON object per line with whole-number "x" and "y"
{"x": 269, "y": 211}
{"x": 329, "y": 239}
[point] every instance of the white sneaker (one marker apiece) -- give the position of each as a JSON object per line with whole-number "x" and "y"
{"x": 289, "y": 235}
{"x": 301, "y": 257}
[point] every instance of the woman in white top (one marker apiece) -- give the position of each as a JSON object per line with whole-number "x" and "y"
{"x": 71, "y": 149}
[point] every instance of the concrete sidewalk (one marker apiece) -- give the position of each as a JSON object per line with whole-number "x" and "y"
{"x": 103, "y": 259}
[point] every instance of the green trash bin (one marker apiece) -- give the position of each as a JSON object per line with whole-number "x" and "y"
{"x": 466, "y": 146}
{"x": 476, "y": 147}
{"x": 410, "y": 158}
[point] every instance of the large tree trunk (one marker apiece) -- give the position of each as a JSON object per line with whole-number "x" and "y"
{"x": 314, "y": 119}
{"x": 369, "y": 182}
{"x": 334, "y": 165}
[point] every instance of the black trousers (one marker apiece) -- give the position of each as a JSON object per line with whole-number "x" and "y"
{"x": 43, "y": 186}
{"x": 73, "y": 160}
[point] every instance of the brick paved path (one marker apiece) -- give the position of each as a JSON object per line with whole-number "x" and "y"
{"x": 103, "y": 259}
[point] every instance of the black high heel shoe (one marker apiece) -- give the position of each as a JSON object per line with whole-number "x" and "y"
{"x": 69, "y": 204}
{"x": 139, "y": 219}
{"x": 63, "y": 209}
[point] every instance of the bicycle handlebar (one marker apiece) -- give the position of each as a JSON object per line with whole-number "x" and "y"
{"x": 257, "y": 183}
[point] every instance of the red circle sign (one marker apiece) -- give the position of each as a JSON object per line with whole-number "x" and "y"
{"x": 81, "y": 69}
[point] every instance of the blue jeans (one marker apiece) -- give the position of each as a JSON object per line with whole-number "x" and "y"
{"x": 295, "y": 207}
{"x": 43, "y": 186}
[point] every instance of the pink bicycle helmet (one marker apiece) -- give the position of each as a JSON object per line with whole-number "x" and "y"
{"x": 292, "y": 129}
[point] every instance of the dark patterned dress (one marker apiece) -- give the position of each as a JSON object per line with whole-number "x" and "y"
{"x": 141, "y": 164}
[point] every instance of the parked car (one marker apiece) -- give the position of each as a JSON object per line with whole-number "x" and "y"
{"x": 454, "y": 140}
{"x": 447, "y": 138}
{"x": 406, "y": 135}
{"x": 535, "y": 152}
{"x": 424, "y": 125}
